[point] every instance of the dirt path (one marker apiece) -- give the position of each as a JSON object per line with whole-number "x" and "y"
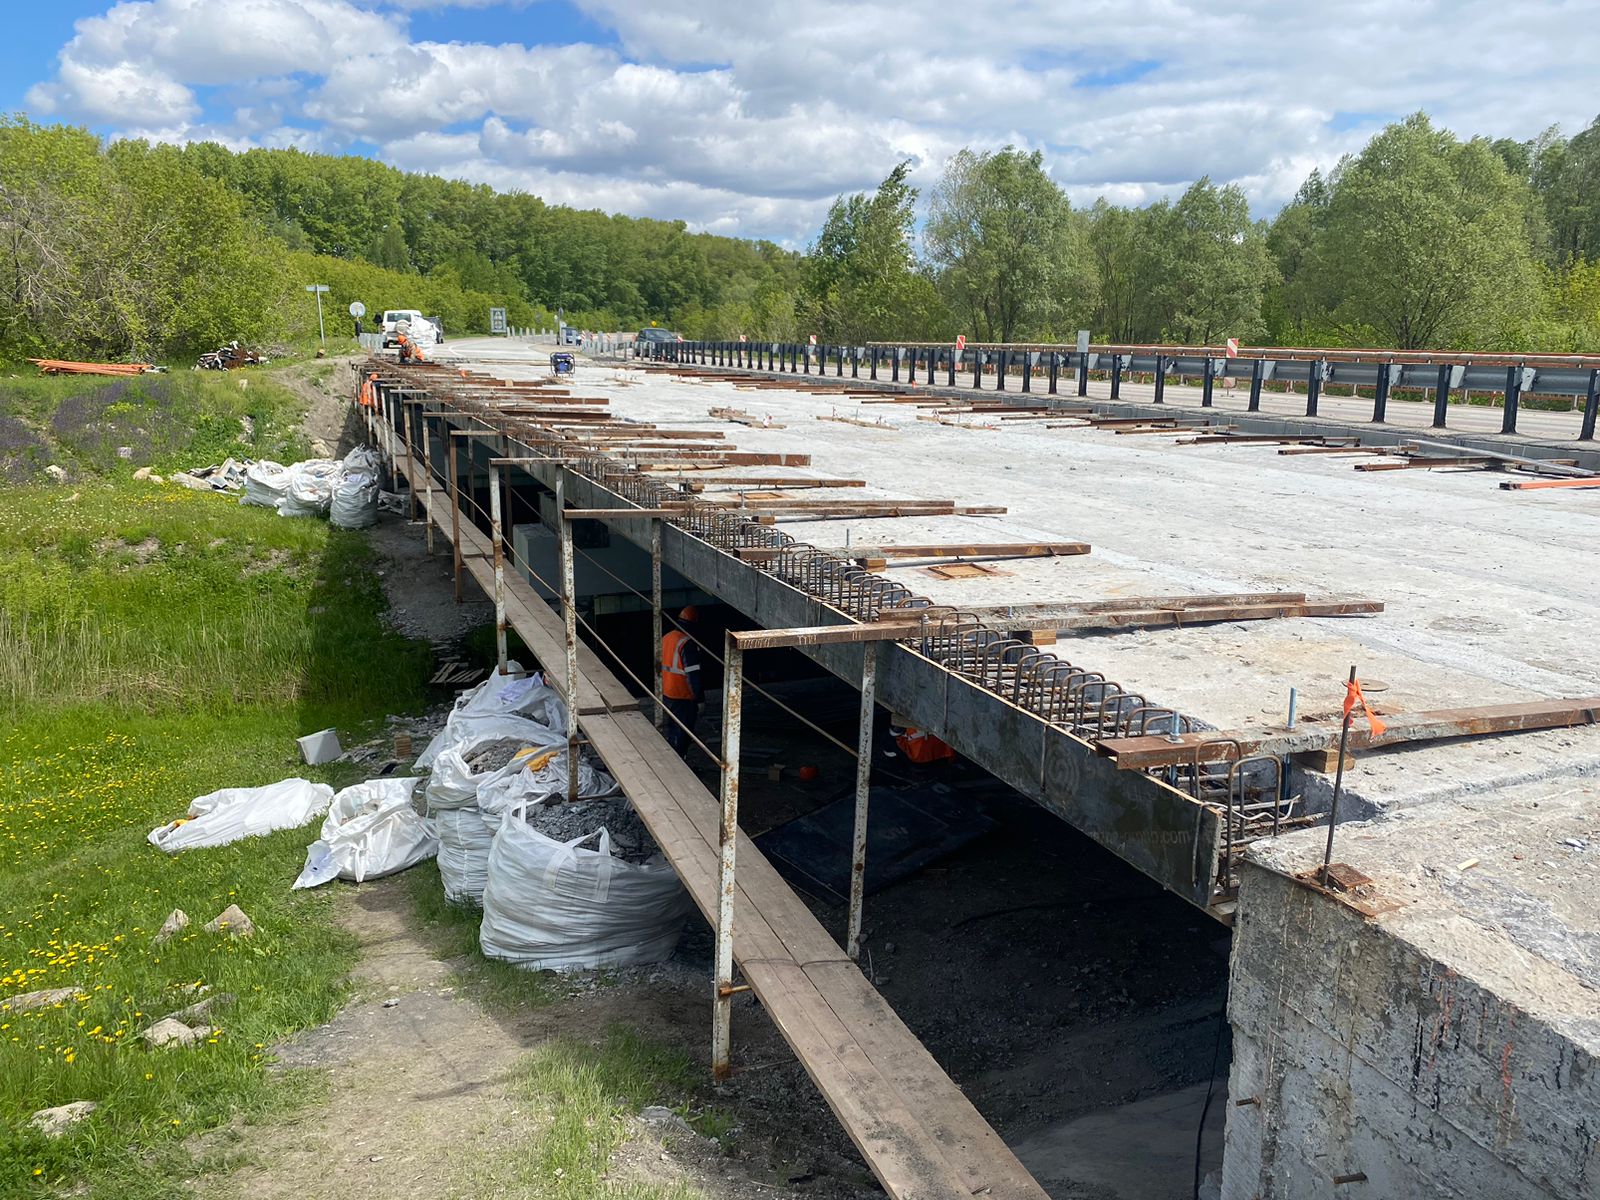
{"x": 427, "y": 1088}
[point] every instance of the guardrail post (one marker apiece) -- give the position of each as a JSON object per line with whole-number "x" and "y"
{"x": 839, "y": 371}
{"x": 1508, "y": 423}
{"x": 1591, "y": 407}
{"x": 1116, "y": 376}
{"x": 1083, "y": 374}
{"x": 872, "y": 362}
{"x": 569, "y": 608}
{"x": 497, "y": 534}
{"x": 951, "y": 363}
{"x": 855, "y": 362}
{"x": 1161, "y": 378}
{"x": 1441, "y": 397}
{"x": 894, "y": 364}
{"x": 911, "y": 366}
{"x": 1027, "y": 370}
{"x": 1380, "y": 395}
{"x": 1053, "y": 371}
{"x": 858, "y": 842}
{"x": 1258, "y": 371}
{"x": 1000, "y": 369}
{"x": 977, "y": 370}
{"x": 1207, "y": 382}
{"x": 1314, "y": 388}
{"x": 727, "y": 880}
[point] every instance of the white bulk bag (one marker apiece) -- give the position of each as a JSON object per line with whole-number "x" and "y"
{"x": 371, "y": 831}
{"x": 464, "y": 842}
{"x": 355, "y": 501}
{"x": 310, "y": 489}
{"x": 265, "y": 483}
{"x": 224, "y": 816}
{"x": 552, "y": 905}
{"x": 516, "y": 784}
{"x": 502, "y": 706}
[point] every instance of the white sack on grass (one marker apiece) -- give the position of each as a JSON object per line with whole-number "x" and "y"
{"x": 502, "y": 706}
{"x": 553, "y": 905}
{"x": 515, "y": 785}
{"x": 310, "y": 489}
{"x": 265, "y": 483}
{"x": 371, "y": 831}
{"x": 464, "y": 841}
{"x": 355, "y": 500}
{"x": 224, "y": 816}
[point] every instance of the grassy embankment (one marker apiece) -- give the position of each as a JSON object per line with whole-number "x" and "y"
{"x": 157, "y": 643}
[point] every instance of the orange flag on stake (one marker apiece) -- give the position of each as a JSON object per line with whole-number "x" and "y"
{"x": 1354, "y": 696}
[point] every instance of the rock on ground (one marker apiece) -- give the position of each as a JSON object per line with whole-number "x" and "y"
{"x": 177, "y": 920}
{"x": 170, "y": 1032}
{"x": 32, "y": 1000}
{"x": 53, "y": 1122}
{"x": 232, "y": 921}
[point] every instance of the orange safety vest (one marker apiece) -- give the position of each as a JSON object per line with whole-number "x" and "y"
{"x": 675, "y": 671}
{"x": 921, "y": 747}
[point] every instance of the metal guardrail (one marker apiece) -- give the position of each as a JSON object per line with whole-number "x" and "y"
{"x": 1441, "y": 372}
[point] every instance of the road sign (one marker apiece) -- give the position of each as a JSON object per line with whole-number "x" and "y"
{"x": 1233, "y": 348}
{"x": 813, "y": 339}
{"x": 741, "y": 337}
{"x": 358, "y": 309}
{"x": 961, "y": 342}
{"x": 497, "y": 320}
{"x": 1083, "y": 341}
{"x": 322, "y": 332}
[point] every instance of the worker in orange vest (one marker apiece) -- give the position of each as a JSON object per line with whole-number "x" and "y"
{"x": 681, "y": 686}
{"x": 920, "y": 746}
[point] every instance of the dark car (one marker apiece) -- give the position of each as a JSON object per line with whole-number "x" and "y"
{"x": 652, "y": 336}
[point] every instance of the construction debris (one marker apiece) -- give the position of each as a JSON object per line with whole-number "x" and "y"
{"x": 228, "y": 357}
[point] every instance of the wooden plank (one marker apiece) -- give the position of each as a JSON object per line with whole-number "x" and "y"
{"x": 1424, "y": 462}
{"x": 1512, "y": 485}
{"x": 975, "y": 550}
{"x": 1140, "y": 753}
{"x": 1176, "y": 617}
{"x": 837, "y": 635}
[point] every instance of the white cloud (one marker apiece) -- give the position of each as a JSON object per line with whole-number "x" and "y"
{"x": 748, "y": 118}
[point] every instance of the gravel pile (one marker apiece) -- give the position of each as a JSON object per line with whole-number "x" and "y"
{"x": 564, "y": 820}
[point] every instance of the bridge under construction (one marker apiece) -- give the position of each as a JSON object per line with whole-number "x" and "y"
{"x": 1138, "y": 610}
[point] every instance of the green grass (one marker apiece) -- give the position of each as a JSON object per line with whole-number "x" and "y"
{"x": 156, "y": 644}
{"x": 84, "y": 424}
{"x": 583, "y": 1094}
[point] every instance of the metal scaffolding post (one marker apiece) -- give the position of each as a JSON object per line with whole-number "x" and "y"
{"x": 858, "y": 843}
{"x": 497, "y": 535}
{"x": 569, "y": 612}
{"x": 655, "y": 617}
{"x": 455, "y": 516}
{"x": 427, "y": 480}
{"x": 728, "y": 837}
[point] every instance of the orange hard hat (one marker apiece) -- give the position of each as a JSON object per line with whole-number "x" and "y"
{"x": 689, "y": 614}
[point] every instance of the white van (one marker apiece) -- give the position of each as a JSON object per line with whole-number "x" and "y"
{"x": 418, "y": 327}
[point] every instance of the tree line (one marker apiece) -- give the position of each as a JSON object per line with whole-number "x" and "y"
{"x": 1421, "y": 240}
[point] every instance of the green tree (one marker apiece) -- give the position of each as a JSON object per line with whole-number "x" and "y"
{"x": 1214, "y": 266}
{"x": 860, "y": 278}
{"x": 1003, "y": 246}
{"x": 1426, "y": 242}
{"x": 1566, "y": 176}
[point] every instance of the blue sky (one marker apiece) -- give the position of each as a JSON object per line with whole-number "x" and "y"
{"x": 747, "y": 117}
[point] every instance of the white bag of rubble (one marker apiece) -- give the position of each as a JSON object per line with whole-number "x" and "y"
{"x": 265, "y": 483}
{"x": 364, "y": 459}
{"x": 355, "y": 500}
{"x": 502, "y": 706}
{"x": 525, "y": 780}
{"x": 464, "y": 842}
{"x": 454, "y": 784}
{"x": 224, "y": 816}
{"x": 552, "y": 905}
{"x": 310, "y": 489}
{"x": 371, "y": 831}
